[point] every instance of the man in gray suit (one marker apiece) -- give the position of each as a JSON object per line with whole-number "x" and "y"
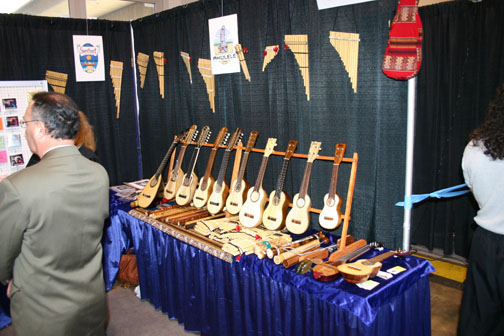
{"x": 51, "y": 223}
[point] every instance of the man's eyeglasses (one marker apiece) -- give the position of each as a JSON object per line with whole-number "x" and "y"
{"x": 23, "y": 122}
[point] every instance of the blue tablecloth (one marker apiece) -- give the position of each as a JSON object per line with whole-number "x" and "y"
{"x": 4, "y": 308}
{"x": 253, "y": 296}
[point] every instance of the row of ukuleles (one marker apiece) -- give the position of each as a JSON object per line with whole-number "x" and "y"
{"x": 249, "y": 203}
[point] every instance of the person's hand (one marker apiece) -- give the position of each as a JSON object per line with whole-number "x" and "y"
{"x": 9, "y": 288}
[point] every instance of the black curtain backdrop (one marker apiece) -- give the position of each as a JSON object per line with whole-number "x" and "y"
{"x": 461, "y": 69}
{"x": 30, "y": 45}
{"x": 372, "y": 122}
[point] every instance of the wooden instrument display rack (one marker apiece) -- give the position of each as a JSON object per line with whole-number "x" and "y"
{"x": 351, "y": 185}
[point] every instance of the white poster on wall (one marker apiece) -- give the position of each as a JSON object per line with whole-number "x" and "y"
{"x": 325, "y": 4}
{"x": 88, "y": 57}
{"x": 14, "y": 99}
{"x": 223, "y": 37}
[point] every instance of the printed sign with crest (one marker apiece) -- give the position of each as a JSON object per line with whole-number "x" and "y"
{"x": 88, "y": 57}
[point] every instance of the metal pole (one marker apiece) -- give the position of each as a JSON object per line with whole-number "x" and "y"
{"x": 410, "y": 140}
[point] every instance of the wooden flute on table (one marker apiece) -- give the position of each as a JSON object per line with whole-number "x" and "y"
{"x": 313, "y": 244}
{"x": 276, "y": 250}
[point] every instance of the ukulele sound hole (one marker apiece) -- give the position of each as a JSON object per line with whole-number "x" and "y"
{"x": 255, "y": 196}
{"x": 330, "y": 202}
{"x": 300, "y": 203}
{"x": 153, "y": 182}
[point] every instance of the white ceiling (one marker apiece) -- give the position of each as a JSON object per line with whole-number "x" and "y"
{"x": 94, "y": 8}
{"x": 59, "y": 8}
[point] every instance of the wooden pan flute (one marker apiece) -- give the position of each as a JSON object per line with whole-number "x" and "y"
{"x": 57, "y": 80}
{"x": 116, "y": 69}
{"x": 159, "y": 60}
{"x": 298, "y": 44}
{"x": 347, "y": 46}
{"x": 143, "y": 62}
{"x": 269, "y": 53}
{"x": 205, "y": 68}
{"x": 243, "y": 63}
{"x": 187, "y": 61}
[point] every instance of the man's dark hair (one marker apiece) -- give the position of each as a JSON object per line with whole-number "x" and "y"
{"x": 58, "y": 112}
{"x": 491, "y": 131}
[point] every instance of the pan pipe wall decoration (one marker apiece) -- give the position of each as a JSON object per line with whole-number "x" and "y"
{"x": 116, "y": 69}
{"x": 159, "y": 59}
{"x": 205, "y": 68}
{"x": 298, "y": 44}
{"x": 243, "y": 63}
{"x": 269, "y": 53}
{"x": 187, "y": 61}
{"x": 57, "y": 80}
{"x": 347, "y": 46}
{"x": 143, "y": 62}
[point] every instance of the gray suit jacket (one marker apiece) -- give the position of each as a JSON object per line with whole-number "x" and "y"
{"x": 51, "y": 224}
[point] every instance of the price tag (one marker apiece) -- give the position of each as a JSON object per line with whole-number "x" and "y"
{"x": 396, "y": 270}
{"x": 384, "y": 275}
{"x": 368, "y": 285}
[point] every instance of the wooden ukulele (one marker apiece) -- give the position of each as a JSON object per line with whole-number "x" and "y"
{"x": 298, "y": 218}
{"x": 328, "y": 270}
{"x": 217, "y": 199}
{"x": 240, "y": 186}
{"x": 276, "y": 211}
{"x": 151, "y": 189}
{"x": 177, "y": 175}
{"x": 363, "y": 269}
{"x": 251, "y": 212}
{"x": 206, "y": 183}
{"x": 186, "y": 190}
{"x": 330, "y": 217}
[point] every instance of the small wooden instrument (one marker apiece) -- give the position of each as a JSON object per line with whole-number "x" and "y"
{"x": 252, "y": 211}
{"x": 330, "y": 217}
{"x": 143, "y": 63}
{"x": 205, "y": 68}
{"x": 176, "y": 175}
{"x": 308, "y": 246}
{"x": 320, "y": 253}
{"x": 186, "y": 191}
{"x": 363, "y": 269}
{"x": 219, "y": 194}
{"x": 347, "y": 46}
{"x": 269, "y": 53}
{"x": 187, "y": 61}
{"x": 276, "y": 211}
{"x": 116, "y": 69}
{"x": 160, "y": 60}
{"x": 243, "y": 63}
{"x": 327, "y": 271}
{"x": 298, "y": 44}
{"x": 149, "y": 192}
{"x": 298, "y": 218}
{"x": 240, "y": 186}
{"x": 57, "y": 80}
{"x": 276, "y": 250}
{"x": 205, "y": 186}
